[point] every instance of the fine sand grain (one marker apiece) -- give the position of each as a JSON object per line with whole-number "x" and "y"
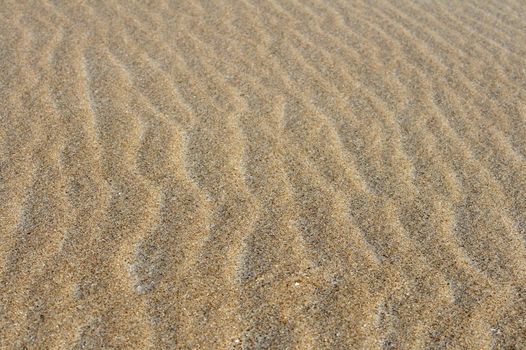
{"x": 283, "y": 174}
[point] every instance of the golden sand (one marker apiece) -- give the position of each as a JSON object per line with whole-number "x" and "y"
{"x": 252, "y": 174}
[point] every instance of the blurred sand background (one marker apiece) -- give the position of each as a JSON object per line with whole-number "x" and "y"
{"x": 249, "y": 174}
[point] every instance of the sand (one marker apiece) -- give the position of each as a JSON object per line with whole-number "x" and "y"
{"x": 252, "y": 174}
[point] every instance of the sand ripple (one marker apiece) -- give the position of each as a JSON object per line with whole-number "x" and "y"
{"x": 262, "y": 174}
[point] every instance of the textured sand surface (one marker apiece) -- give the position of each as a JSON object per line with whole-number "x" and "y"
{"x": 251, "y": 174}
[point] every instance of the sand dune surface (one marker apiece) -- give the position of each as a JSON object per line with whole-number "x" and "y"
{"x": 283, "y": 174}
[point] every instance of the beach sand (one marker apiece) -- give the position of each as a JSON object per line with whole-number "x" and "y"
{"x": 275, "y": 174}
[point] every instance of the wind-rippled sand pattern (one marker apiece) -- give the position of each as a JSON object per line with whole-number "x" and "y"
{"x": 253, "y": 174}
